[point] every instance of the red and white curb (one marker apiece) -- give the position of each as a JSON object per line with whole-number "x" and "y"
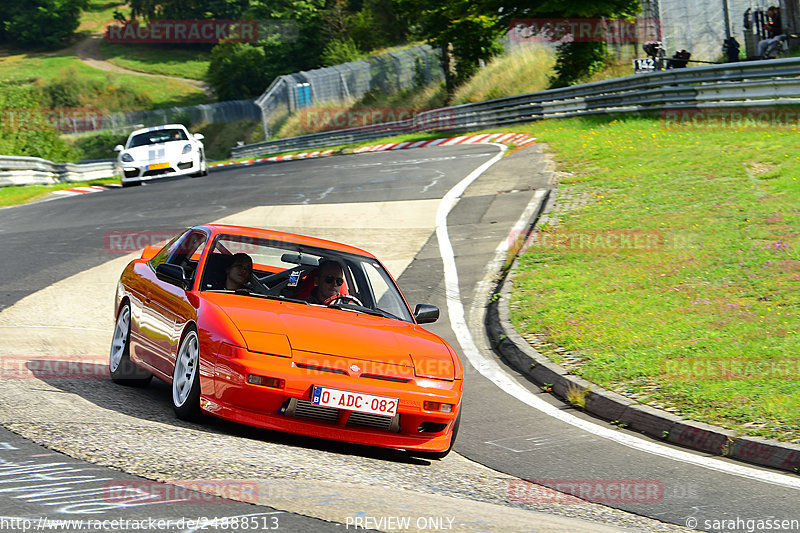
{"x": 75, "y": 191}
{"x": 519, "y": 139}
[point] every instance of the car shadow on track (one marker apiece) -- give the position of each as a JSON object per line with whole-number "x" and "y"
{"x": 153, "y": 403}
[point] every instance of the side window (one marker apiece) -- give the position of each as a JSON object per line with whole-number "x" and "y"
{"x": 187, "y": 252}
{"x": 384, "y": 293}
{"x": 164, "y": 253}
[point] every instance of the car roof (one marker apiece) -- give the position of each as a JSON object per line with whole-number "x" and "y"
{"x": 225, "y": 229}
{"x": 156, "y": 128}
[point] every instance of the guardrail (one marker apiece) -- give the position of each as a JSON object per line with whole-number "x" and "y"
{"x": 745, "y": 84}
{"x": 36, "y": 171}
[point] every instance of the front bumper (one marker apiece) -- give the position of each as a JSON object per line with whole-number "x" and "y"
{"x": 133, "y": 172}
{"x": 288, "y": 408}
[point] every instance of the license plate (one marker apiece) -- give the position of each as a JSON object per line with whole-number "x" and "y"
{"x": 158, "y": 166}
{"x": 354, "y": 401}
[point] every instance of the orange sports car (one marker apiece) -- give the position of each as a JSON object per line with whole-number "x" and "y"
{"x": 289, "y": 333}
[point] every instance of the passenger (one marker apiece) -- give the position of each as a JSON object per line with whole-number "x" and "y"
{"x": 238, "y": 273}
{"x": 328, "y": 281}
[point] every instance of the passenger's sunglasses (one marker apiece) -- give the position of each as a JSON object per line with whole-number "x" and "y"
{"x": 332, "y": 279}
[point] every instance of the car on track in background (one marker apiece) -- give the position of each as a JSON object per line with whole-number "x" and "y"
{"x": 357, "y": 368}
{"x": 158, "y": 152}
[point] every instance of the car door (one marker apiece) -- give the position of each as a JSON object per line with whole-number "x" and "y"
{"x": 168, "y": 304}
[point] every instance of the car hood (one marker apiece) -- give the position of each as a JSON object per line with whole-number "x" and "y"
{"x": 158, "y": 152}
{"x": 320, "y": 330}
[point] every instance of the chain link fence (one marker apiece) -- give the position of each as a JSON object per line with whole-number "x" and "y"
{"x": 204, "y": 113}
{"x": 392, "y": 71}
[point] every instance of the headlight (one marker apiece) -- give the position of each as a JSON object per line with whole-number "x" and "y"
{"x": 187, "y": 149}
{"x": 127, "y": 158}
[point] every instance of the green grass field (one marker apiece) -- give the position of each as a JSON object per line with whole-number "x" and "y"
{"x": 188, "y": 61}
{"x": 677, "y": 282}
{"x": 44, "y": 67}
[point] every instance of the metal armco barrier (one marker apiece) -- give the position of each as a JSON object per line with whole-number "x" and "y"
{"x": 37, "y": 171}
{"x": 754, "y": 84}
{"x": 745, "y": 84}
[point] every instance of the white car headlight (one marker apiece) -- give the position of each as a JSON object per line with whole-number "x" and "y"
{"x": 127, "y": 158}
{"x": 187, "y": 149}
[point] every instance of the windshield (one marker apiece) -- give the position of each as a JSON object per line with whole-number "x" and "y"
{"x": 158, "y": 136}
{"x": 291, "y": 271}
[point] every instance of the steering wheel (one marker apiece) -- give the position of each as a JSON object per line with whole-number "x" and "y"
{"x": 344, "y": 298}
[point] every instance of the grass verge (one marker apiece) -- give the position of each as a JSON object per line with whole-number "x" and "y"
{"x": 22, "y": 194}
{"x": 672, "y": 272}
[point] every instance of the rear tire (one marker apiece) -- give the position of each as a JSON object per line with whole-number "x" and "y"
{"x": 185, "y": 378}
{"x": 123, "y": 371}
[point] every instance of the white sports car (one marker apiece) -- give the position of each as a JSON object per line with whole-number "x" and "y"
{"x": 158, "y": 152}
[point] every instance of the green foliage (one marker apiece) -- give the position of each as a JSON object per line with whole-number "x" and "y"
{"x": 194, "y": 9}
{"x": 577, "y": 61}
{"x": 238, "y": 71}
{"x": 467, "y": 31}
{"x": 25, "y": 129}
{"x": 71, "y": 90}
{"x": 98, "y": 145}
{"x": 341, "y": 51}
{"x": 40, "y": 23}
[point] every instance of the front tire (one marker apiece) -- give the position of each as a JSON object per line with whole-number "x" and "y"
{"x": 185, "y": 378}
{"x": 123, "y": 371}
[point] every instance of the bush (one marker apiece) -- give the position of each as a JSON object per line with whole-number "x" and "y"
{"x": 37, "y": 23}
{"x": 341, "y": 51}
{"x": 237, "y": 71}
{"x": 70, "y": 89}
{"x": 98, "y": 145}
{"x": 24, "y": 129}
{"x": 577, "y": 61}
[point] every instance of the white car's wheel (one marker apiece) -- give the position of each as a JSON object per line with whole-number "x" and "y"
{"x": 185, "y": 378}
{"x": 123, "y": 371}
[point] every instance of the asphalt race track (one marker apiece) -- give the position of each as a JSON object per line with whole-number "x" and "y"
{"x": 61, "y": 259}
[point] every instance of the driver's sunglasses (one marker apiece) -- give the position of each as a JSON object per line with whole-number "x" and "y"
{"x": 332, "y": 279}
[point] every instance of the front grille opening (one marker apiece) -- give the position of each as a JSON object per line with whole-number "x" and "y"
{"x": 306, "y": 409}
{"x": 431, "y": 427}
{"x": 372, "y": 421}
{"x": 158, "y": 171}
{"x": 184, "y": 166}
{"x": 131, "y": 173}
{"x": 385, "y": 378}
{"x": 321, "y": 368}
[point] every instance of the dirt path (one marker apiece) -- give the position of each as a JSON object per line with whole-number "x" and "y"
{"x": 88, "y": 51}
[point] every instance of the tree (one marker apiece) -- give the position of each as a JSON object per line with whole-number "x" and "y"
{"x": 238, "y": 71}
{"x": 38, "y": 23}
{"x": 468, "y": 31}
{"x": 465, "y": 31}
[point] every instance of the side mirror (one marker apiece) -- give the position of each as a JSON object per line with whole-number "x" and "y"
{"x": 172, "y": 274}
{"x": 199, "y": 136}
{"x": 150, "y": 252}
{"x": 426, "y": 313}
{"x": 119, "y": 148}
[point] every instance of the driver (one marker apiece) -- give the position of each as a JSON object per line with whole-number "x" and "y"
{"x": 328, "y": 281}
{"x": 238, "y": 273}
